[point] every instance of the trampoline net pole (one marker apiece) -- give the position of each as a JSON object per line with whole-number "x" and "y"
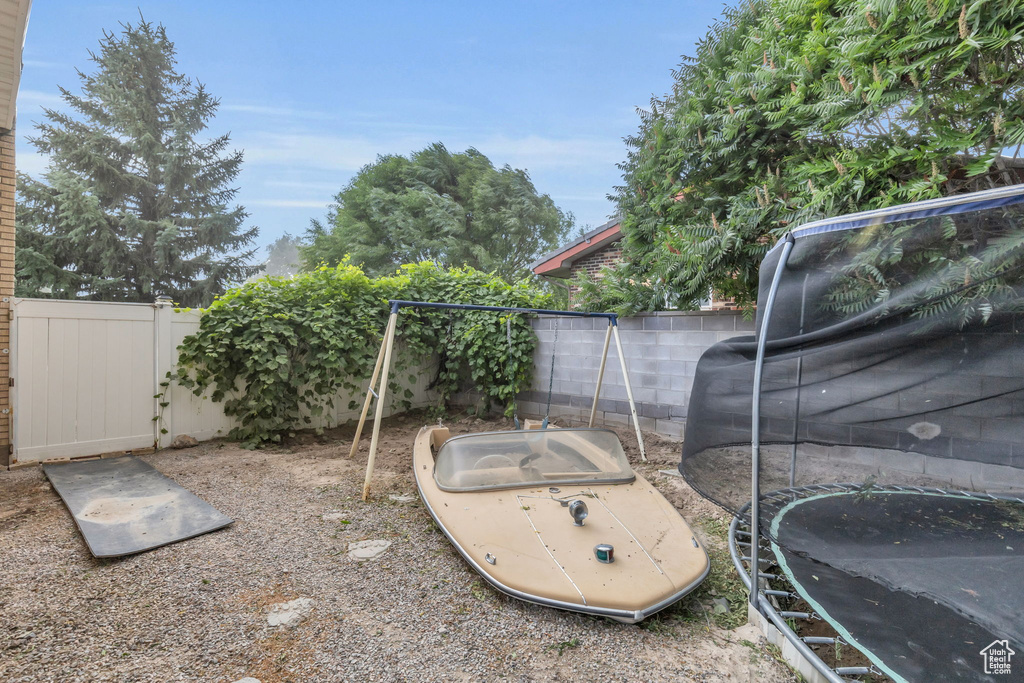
{"x": 755, "y": 423}
{"x": 799, "y": 381}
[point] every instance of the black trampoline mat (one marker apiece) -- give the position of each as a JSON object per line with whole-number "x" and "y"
{"x": 125, "y": 505}
{"x": 920, "y": 582}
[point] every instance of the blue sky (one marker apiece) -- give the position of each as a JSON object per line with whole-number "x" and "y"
{"x": 311, "y": 91}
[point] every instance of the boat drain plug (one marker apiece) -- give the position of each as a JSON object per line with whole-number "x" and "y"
{"x": 579, "y": 512}
{"x": 604, "y": 552}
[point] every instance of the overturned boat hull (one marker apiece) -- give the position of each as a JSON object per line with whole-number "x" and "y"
{"x": 525, "y": 542}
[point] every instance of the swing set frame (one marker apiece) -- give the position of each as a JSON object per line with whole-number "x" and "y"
{"x": 382, "y": 369}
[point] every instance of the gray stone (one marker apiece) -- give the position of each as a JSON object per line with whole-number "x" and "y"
{"x": 367, "y": 550}
{"x": 290, "y": 613}
{"x": 406, "y": 498}
{"x": 184, "y": 441}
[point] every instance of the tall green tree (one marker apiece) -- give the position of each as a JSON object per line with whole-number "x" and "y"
{"x": 793, "y": 110}
{"x": 450, "y": 209}
{"x": 132, "y": 204}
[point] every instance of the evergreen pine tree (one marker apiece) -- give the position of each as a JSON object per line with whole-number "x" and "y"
{"x": 132, "y": 205}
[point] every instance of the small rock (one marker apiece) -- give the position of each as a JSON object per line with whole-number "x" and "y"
{"x": 184, "y": 441}
{"x": 248, "y": 679}
{"x": 721, "y": 606}
{"x": 367, "y": 550}
{"x": 405, "y": 498}
{"x": 332, "y": 516}
{"x": 290, "y": 613}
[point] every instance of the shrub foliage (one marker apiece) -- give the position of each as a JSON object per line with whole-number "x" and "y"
{"x": 794, "y": 110}
{"x": 279, "y": 351}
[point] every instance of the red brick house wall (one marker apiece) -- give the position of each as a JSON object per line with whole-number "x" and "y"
{"x": 592, "y": 264}
{"x": 6, "y": 285}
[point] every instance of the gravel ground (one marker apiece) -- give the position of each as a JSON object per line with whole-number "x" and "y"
{"x": 197, "y": 610}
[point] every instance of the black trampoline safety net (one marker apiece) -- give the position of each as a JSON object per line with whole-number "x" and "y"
{"x": 891, "y": 428}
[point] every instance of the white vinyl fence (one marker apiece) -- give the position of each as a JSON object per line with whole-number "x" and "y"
{"x": 86, "y": 373}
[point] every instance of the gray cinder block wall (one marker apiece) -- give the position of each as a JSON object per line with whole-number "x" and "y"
{"x": 661, "y": 351}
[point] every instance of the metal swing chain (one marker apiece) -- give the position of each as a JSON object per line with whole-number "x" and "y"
{"x": 551, "y": 378}
{"x": 515, "y": 406}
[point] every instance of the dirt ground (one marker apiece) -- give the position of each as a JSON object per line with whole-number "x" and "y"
{"x": 197, "y": 610}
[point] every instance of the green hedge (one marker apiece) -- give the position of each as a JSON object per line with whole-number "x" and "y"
{"x": 279, "y": 350}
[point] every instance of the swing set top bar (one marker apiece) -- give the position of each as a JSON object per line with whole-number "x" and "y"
{"x": 396, "y": 304}
{"x": 383, "y": 366}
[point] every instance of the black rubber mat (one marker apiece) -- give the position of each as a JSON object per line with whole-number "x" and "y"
{"x": 923, "y": 582}
{"x": 125, "y": 505}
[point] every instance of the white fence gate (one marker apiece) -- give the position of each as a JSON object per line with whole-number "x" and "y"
{"x": 86, "y": 373}
{"x": 83, "y": 378}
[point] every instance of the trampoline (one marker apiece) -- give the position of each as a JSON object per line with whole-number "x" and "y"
{"x": 869, "y": 439}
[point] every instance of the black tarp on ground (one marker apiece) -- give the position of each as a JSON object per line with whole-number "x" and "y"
{"x": 124, "y": 505}
{"x": 894, "y": 357}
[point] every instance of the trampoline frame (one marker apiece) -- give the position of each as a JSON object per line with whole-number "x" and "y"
{"x": 955, "y": 204}
{"x": 741, "y": 526}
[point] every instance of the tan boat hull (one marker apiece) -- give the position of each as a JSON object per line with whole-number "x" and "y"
{"x": 540, "y": 556}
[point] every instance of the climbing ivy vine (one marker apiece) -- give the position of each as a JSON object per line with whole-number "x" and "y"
{"x": 279, "y": 351}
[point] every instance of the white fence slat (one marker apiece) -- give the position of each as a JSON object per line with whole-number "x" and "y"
{"x": 92, "y": 380}
{"x": 37, "y": 332}
{"x": 86, "y": 372}
{"x": 140, "y": 410}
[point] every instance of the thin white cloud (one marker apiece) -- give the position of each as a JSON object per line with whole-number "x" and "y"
{"x": 309, "y": 186}
{"x": 349, "y": 153}
{"x": 534, "y": 151}
{"x": 311, "y": 151}
{"x": 280, "y": 112}
{"x": 32, "y": 99}
{"x": 38, "y": 64}
{"x": 289, "y": 203}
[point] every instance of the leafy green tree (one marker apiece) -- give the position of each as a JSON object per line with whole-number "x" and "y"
{"x": 450, "y": 209}
{"x": 793, "y": 110}
{"x": 132, "y": 204}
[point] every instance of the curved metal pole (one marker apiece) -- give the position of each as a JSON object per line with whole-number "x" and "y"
{"x": 768, "y": 609}
{"x": 755, "y": 424}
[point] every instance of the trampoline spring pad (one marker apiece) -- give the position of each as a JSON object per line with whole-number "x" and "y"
{"x": 125, "y": 505}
